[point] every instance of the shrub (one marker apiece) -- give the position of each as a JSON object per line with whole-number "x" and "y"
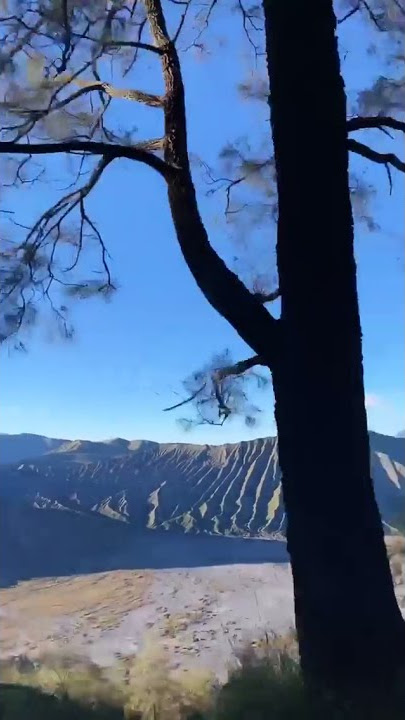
{"x": 74, "y": 677}
{"x": 266, "y": 685}
{"x": 156, "y": 692}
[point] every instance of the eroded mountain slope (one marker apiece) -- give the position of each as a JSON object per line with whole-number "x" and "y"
{"x": 232, "y": 489}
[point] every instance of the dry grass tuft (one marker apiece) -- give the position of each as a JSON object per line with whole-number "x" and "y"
{"x": 396, "y": 554}
{"x": 395, "y": 545}
{"x": 175, "y": 623}
{"x": 266, "y": 685}
{"x": 156, "y": 691}
{"x": 144, "y": 687}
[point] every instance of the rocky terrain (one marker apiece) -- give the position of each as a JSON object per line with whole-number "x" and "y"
{"x": 221, "y": 490}
{"x": 198, "y": 617}
{"x": 109, "y": 546}
{"x": 93, "y": 506}
{"x": 229, "y": 489}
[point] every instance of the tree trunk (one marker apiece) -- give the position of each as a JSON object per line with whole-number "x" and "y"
{"x": 350, "y": 630}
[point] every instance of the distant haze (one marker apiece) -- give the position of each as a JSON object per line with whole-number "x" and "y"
{"x": 14, "y": 448}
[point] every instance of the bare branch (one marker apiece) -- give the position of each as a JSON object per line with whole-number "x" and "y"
{"x": 35, "y": 115}
{"x": 22, "y": 42}
{"x": 349, "y": 13}
{"x": 212, "y": 5}
{"x": 231, "y": 184}
{"x": 122, "y": 93}
{"x": 377, "y": 157}
{"x": 388, "y": 169}
{"x": 110, "y": 152}
{"x": 67, "y": 37}
{"x": 65, "y": 205}
{"x": 184, "y": 402}
{"x": 372, "y": 15}
{"x": 227, "y": 184}
{"x": 33, "y": 269}
{"x": 377, "y": 122}
{"x": 248, "y": 19}
{"x": 137, "y": 44}
{"x": 134, "y": 44}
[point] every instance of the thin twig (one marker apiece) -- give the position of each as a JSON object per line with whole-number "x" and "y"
{"x": 349, "y": 14}
{"x": 184, "y": 402}
{"x": 375, "y": 122}
{"x": 377, "y": 157}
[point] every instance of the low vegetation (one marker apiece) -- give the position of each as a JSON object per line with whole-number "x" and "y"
{"x": 264, "y": 684}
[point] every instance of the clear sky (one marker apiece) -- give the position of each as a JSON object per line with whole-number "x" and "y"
{"x": 129, "y": 356}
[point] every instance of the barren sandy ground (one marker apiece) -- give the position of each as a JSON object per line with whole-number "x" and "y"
{"x": 200, "y": 615}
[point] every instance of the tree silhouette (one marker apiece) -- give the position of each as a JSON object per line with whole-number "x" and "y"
{"x": 346, "y": 612}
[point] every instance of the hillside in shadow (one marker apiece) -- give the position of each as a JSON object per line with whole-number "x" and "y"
{"x": 45, "y": 543}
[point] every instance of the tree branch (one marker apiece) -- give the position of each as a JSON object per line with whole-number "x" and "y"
{"x": 187, "y": 400}
{"x": 377, "y": 157}
{"x": 373, "y": 16}
{"x": 248, "y": 19}
{"x": 67, "y": 37}
{"x": 220, "y": 286}
{"x": 238, "y": 368}
{"x": 217, "y": 376}
{"x": 38, "y": 114}
{"x": 224, "y": 411}
{"x": 124, "y": 93}
{"x": 378, "y": 122}
{"x": 59, "y": 211}
{"x": 111, "y": 152}
{"x": 349, "y": 13}
{"x": 34, "y": 270}
{"x": 137, "y": 44}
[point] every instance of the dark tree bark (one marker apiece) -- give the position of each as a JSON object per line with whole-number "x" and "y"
{"x": 349, "y": 626}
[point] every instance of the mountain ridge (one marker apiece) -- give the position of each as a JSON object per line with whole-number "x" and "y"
{"x": 14, "y": 448}
{"x": 84, "y": 506}
{"x": 231, "y": 489}
{"x": 39, "y": 445}
{"x": 43, "y": 445}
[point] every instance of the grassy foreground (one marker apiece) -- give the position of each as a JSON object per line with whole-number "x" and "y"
{"x": 265, "y": 684}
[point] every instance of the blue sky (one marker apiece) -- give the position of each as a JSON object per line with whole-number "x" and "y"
{"x": 129, "y": 356}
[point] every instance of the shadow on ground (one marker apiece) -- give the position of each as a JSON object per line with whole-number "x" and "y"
{"x": 18, "y": 701}
{"x": 49, "y": 543}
